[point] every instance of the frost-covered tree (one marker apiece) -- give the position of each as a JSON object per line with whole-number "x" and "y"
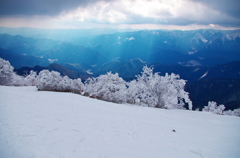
{"x": 210, "y": 107}
{"x": 228, "y": 112}
{"x": 8, "y": 77}
{"x": 145, "y": 89}
{"x": 134, "y": 91}
{"x": 109, "y": 87}
{"x": 48, "y": 81}
{"x": 235, "y": 112}
{"x": 31, "y": 79}
{"x": 213, "y": 108}
{"x": 6, "y": 72}
{"x": 220, "y": 109}
{"x": 159, "y": 91}
{"x": 145, "y": 85}
{"x": 173, "y": 95}
{"x": 65, "y": 84}
{"x": 90, "y": 88}
{"x": 68, "y": 85}
{"x": 53, "y": 81}
{"x": 18, "y": 81}
{"x": 77, "y": 86}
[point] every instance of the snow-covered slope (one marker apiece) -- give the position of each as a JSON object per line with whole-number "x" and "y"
{"x": 56, "y": 125}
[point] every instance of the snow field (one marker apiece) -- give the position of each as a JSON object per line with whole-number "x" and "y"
{"x": 56, "y": 125}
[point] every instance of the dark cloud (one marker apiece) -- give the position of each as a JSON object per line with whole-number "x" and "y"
{"x": 39, "y": 7}
{"x": 228, "y": 7}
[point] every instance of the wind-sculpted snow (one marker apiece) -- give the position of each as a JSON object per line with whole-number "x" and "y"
{"x": 52, "y": 125}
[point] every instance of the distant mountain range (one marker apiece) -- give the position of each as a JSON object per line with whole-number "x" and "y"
{"x": 64, "y": 71}
{"x": 187, "y": 48}
{"x": 46, "y": 51}
{"x": 19, "y": 60}
{"x": 222, "y": 91}
{"x": 129, "y": 69}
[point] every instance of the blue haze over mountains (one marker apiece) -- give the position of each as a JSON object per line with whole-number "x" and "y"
{"x": 187, "y": 48}
{"x": 209, "y": 58}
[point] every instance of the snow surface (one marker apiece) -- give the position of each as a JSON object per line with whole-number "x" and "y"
{"x": 130, "y": 38}
{"x": 203, "y": 75}
{"x": 55, "y": 125}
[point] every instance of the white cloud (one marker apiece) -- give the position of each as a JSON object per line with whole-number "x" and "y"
{"x": 149, "y": 9}
{"x": 123, "y": 11}
{"x": 171, "y": 12}
{"x": 100, "y": 12}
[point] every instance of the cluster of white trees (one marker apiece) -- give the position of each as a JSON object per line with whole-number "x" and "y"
{"x": 148, "y": 89}
{"x": 109, "y": 87}
{"x": 8, "y": 77}
{"x": 53, "y": 81}
{"x": 220, "y": 110}
{"x": 45, "y": 80}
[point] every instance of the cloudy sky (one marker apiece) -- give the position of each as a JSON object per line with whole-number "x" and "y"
{"x": 135, "y": 14}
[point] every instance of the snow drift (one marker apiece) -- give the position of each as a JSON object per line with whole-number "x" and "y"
{"x": 49, "y": 124}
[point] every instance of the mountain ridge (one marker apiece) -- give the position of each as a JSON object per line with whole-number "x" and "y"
{"x": 187, "y": 48}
